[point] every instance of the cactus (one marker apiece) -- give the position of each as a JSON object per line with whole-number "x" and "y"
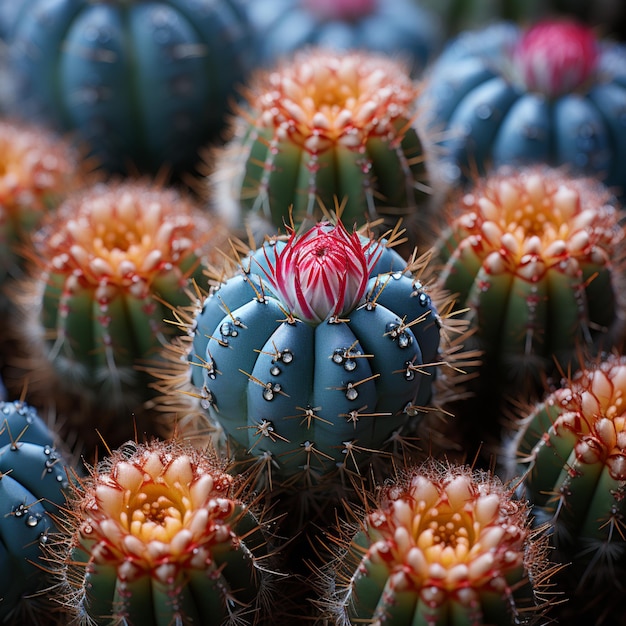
{"x": 113, "y": 263}
{"x": 536, "y": 257}
{"x": 325, "y": 129}
{"x": 144, "y": 85}
{"x": 571, "y": 449}
{"x": 159, "y": 534}
{"x": 37, "y": 171}
{"x": 33, "y": 478}
{"x": 317, "y": 351}
{"x": 398, "y": 28}
{"x": 553, "y": 93}
{"x": 442, "y": 545}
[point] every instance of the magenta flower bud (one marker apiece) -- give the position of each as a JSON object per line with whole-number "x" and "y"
{"x": 324, "y": 272}
{"x": 556, "y": 57}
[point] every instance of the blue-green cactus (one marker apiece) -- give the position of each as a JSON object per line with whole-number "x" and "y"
{"x": 33, "y": 477}
{"x": 316, "y": 352}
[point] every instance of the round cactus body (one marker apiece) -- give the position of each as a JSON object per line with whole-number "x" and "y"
{"x": 37, "y": 171}
{"x": 114, "y": 261}
{"x": 398, "y": 28}
{"x": 158, "y": 535}
{"x": 33, "y": 477}
{"x": 552, "y": 94}
{"x": 333, "y": 130}
{"x": 444, "y": 545}
{"x": 571, "y": 450}
{"x": 536, "y": 258}
{"x": 143, "y": 84}
{"x": 313, "y": 355}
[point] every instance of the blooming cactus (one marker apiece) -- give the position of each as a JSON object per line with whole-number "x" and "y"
{"x": 113, "y": 262}
{"x": 535, "y": 257}
{"x": 443, "y": 545}
{"x": 326, "y": 128}
{"x": 33, "y": 477}
{"x": 158, "y": 535}
{"x": 315, "y": 352}
{"x": 553, "y": 93}
{"x": 571, "y": 448}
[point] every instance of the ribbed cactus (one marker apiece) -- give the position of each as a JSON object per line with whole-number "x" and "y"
{"x": 143, "y": 84}
{"x": 553, "y": 93}
{"x": 442, "y": 545}
{"x": 113, "y": 262}
{"x": 33, "y": 477}
{"x": 158, "y": 535}
{"x": 37, "y": 171}
{"x": 536, "y": 257}
{"x": 325, "y": 129}
{"x": 400, "y": 28}
{"x": 315, "y": 352}
{"x": 571, "y": 448}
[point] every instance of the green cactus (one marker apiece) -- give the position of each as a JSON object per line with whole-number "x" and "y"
{"x": 160, "y": 534}
{"x": 315, "y": 353}
{"x": 326, "y": 129}
{"x": 571, "y": 449}
{"x": 33, "y": 480}
{"x": 442, "y": 545}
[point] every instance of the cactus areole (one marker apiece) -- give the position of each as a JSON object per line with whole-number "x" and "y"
{"x": 316, "y": 351}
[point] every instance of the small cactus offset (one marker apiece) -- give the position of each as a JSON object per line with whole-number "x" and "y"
{"x": 37, "y": 171}
{"x": 571, "y": 448}
{"x": 443, "y": 545}
{"x": 112, "y": 264}
{"x": 537, "y": 258}
{"x": 33, "y": 480}
{"x": 158, "y": 535}
{"x": 551, "y": 93}
{"x": 316, "y": 351}
{"x": 326, "y": 128}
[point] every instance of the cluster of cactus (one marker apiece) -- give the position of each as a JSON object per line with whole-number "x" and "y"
{"x": 323, "y": 130}
{"x": 142, "y": 85}
{"x": 33, "y": 482}
{"x": 443, "y": 544}
{"x": 160, "y": 535}
{"x": 553, "y": 93}
{"x": 535, "y": 256}
{"x": 315, "y": 351}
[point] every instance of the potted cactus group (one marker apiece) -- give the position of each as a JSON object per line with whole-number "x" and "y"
{"x": 312, "y": 312}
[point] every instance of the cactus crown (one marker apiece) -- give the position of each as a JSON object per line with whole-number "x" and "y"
{"x": 555, "y": 57}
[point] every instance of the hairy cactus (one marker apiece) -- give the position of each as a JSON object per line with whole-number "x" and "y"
{"x": 316, "y": 352}
{"x": 442, "y": 545}
{"x": 33, "y": 477}
{"x": 158, "y": 534}
{"x": 536, "y": 257}
{"x": 113, "y": 262}
{"x": 571, "y": 448}
{"x": 37, "y": 171}
{"x": 401, "y": 27}
{"x": 143, "y": 84}
{"x": 326, "y": 128}
{"x": 553, "y": 93}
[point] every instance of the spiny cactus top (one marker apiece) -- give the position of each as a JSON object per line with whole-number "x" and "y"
{"x": 572, "y": 449}
{"x": 316, "y": 351}
{"x": 158, "y": 535}
{"x": 329, "y": 128}
{"x": 37, "y": 170}
{"x": 33, "y": 477}
{"x": 401, "y": 27}
{"x": 443, "y": 545}
{"x": 113, "y": 261}
{"x": 537, "y": 257}
{"x": 553, "y": 93}
{"x": 143, "y": 84}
